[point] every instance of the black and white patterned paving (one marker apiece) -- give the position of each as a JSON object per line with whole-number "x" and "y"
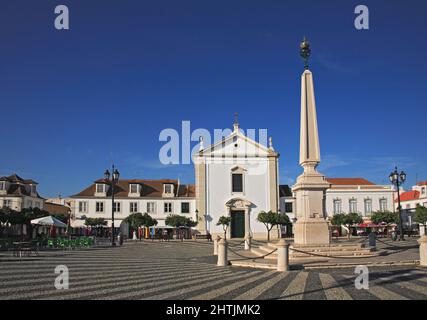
{"x": 176, "y": 270}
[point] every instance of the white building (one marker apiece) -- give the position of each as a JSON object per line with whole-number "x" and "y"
{"x": 347, "y": 195}
{"x": 409, "y": 201}
{"x": 158, "y": 198}
{"x": 236, "y": 177}
{"x": 17, "y": 193}
{"x": 357, "y": 195}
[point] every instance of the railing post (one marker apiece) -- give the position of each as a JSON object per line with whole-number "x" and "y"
{"x": 248, "y": 239}
{"x": 373, "y": 240}
{"x": 282, "y": 256}
{"x": 216, "y": 240}
{"x": 222, "y": 253}
{"x": 423, "y": 251}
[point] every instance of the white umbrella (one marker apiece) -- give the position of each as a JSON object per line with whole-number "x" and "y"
{"x": 49, "y": 221}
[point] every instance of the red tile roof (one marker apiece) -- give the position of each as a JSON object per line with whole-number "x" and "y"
{"x": 422, "y": 183}
{"x": 150, "y": 188}
{"x": 409, "y": 195}
{"x": 350, "y": 181}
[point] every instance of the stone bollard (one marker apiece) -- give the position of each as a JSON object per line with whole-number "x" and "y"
{"x": 222, "y": 253}
{"x": 282, "y": 256}
{"x": 216, "y": 240}
{"x": 373, "y": 239}
{"x": 248, "y": 239}
{"x": 423, "y": 251}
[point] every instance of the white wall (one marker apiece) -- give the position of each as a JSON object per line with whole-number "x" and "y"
{"x": 359, "y": 196}
{"x": 159, "y": 214}
{"x": 219, "y": 191}
{"x": 345, "y": 196}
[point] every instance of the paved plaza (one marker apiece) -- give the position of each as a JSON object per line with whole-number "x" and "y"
{"x": 187, "y": 270}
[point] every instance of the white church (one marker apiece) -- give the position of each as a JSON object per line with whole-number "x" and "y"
{"x": 236, "y": 177}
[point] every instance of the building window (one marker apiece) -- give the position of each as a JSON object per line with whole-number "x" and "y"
{"x": 352, "y": 206}
{"x": 133, "y": 207}
{"x": 237, "y": 182}
{"x": 37, "y": 204}
{"x": 383, "y": 205}
{"x": 7, "y": 203}
{"x": 83, "y": 206}
{"x": 99, "y": 207}
{"x": 2, "y": 185}
{"x": 134, "y": 188}
{"x": 337, "y": 206}
{"x": 168, "y": 188}
{"x": 151, "y": 207}
{"x": 423, "y": 190}
{"x": 168, "y": 207}
{"x": 117, "y": 207}
{"x": 288, "y": 207}
{"x": 185, "y": 207}
{"x": 368, "y": 206}
{"x": 100, "y": 188}
{"x": 29, "y": 204}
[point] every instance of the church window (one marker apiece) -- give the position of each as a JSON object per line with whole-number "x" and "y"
{"x": 237, "y": 182}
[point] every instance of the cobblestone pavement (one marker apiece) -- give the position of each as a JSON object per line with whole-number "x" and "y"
{"x": 176, "y": 270}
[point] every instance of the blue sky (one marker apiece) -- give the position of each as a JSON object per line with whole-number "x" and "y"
{"x": 74, "y": 101}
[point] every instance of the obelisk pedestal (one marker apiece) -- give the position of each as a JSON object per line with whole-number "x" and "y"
{"x": 311, "y": 227}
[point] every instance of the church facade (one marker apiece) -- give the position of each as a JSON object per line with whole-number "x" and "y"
{"x": 237, "y": 178}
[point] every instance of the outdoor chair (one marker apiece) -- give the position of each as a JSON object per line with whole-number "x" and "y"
{"x": 50, "y": 243}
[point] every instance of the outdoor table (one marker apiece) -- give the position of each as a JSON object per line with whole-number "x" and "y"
{"x": 22, "y": 246}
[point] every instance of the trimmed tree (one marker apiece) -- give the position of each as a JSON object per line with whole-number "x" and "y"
{"x": 96, "y": 223}
{"x": 387, "y": 217}
{"x": 176, "y": 221}
{"x": 136, "y": 220}
{"x": 338, "y": 219}
{"x": 225, "y": 223}
{"x": 351, "y": 219}
{"x": 271, "y": 219}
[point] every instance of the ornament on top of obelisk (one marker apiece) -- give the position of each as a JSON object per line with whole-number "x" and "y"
{"x": 305, "y": 51}
{"x": 311, "y": 227}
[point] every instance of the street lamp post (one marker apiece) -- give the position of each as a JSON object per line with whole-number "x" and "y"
{"x": 398, "y": 179}
{"x": 114, "y": 179}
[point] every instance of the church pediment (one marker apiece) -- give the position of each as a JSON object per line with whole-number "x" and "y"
{"x": 237, "y": 145}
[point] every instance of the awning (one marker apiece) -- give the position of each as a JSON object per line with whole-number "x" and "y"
{"x": 49, "y": 221}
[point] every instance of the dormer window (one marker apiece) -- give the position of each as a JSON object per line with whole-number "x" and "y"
{"x": 100, "y": 188}
{"x": 168, "y": 188}
{"x": 134, "y": 188}
{"x": 33, "y": 188}
{"x": 2, "y": 185}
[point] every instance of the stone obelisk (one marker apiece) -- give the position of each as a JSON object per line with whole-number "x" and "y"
{"x": 311, "y": 228}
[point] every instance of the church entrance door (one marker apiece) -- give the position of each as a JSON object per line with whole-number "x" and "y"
{"x": 237, "y": 224}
